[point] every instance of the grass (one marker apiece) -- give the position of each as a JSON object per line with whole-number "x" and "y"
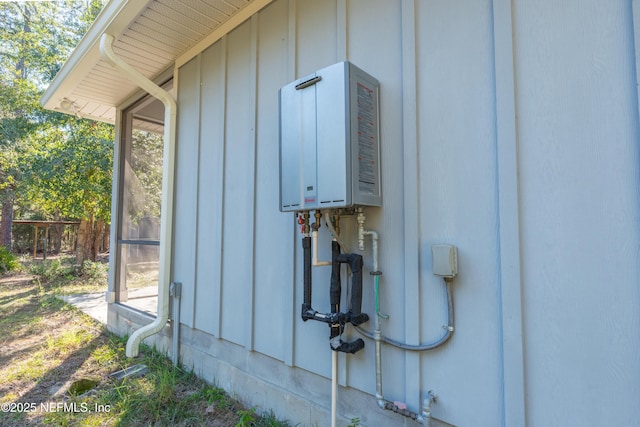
{"x": 55, "y": 363}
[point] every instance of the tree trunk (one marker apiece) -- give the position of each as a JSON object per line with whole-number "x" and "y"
{"x": 6, "y": 221}
{"x": 85, "y": 244}
{"x": 57, "y": 230}
{"x": 97, "y": 239}
{"x": 107, "y": 238}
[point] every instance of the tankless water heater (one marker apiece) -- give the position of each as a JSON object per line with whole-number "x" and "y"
{"x": 330, "y": 140}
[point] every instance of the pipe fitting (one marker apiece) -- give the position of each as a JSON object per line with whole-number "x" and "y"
{"x": 360, "y": 218}
{"x": 425, "y": 416}
{"x": 336, "y": 223}
{"x": 314, "y": 238}
{"x": 334, "y": 233}
{"x": 306, "y": 227}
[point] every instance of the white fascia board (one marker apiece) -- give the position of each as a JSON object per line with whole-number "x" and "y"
{"x": 116, "y": 16}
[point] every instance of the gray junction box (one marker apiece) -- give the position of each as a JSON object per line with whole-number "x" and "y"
{"x": 330, "y": 140}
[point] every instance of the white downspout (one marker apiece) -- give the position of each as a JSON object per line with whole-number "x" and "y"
{"x": 168, "y": 163}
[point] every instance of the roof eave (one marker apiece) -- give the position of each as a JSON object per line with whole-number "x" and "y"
{"x": 114, "y": 18}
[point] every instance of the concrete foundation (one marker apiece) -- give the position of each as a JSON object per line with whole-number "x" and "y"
{"x": 261, "y": 382}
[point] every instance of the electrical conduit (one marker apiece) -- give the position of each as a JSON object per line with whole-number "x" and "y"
{"x": 168, "y": 163}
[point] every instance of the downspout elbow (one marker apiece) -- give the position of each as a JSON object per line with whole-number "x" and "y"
{"x": 106, "y": 50}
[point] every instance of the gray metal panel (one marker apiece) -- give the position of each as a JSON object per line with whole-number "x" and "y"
{"x": 364, "y": 134}
{"x": 290, "y": 150}
{"x": 332, "y": 138}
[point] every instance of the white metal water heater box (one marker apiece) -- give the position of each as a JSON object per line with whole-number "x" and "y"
{"x": 330, "y": 140}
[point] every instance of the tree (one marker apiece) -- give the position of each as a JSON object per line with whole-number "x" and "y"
{"x": 68, "y": 173}
{"x": 41, "y": 152}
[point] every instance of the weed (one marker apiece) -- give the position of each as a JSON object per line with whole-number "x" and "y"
{"x": 247, "y": 417}
{"x": 49, "y": 270}
{"x": 8, "y": 261}
{"x": 94, "y": 270}
{"x": 211, "y": 394}
{"x": 269, "y": 419}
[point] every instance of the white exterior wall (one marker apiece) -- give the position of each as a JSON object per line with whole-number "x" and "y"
{"x": 544, "y": 209}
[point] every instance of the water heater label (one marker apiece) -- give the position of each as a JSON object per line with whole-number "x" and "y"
{"x": 367, "y": 140}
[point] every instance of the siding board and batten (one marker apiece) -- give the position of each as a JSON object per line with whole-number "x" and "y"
{"x": 578, "y": 162}
{"x": 265, "y": 266}
{"x": 508, "y": 128}
{"x": 211, "y": 181}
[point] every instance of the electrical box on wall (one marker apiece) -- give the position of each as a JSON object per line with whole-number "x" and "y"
{"x": 330, "y": 140}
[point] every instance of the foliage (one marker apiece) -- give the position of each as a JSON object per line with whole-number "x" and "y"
{"x": 50, "y": 270}
{"x": 8, "y": 261}
{"x": 62, "y": 276}
{"x": 37, "y": 37}
{"x": 247, "y": 418}
{"x": 50, "y": 163}
{"x": 94, "y": 270}
{"x": 67, "y": 170}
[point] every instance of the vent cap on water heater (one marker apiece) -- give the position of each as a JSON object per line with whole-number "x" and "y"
{"x": 330, "y": 140}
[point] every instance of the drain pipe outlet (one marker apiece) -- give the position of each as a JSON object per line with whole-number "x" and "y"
{"x": 168, "y": 162}
{"x": 175, "y": 292}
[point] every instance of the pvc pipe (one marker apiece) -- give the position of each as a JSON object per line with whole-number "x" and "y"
{"x": 425, "y": 416}
{"x": 334, "y": 387}
{"x": 374, "y": 246}
{"x": 168, "y": 168}
{"x": 314, "y": 240}
{"x": 378, "y": 330}
{"x": 360, "y": 218}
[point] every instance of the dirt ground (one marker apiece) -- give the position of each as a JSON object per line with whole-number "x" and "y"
{"x": 47, "y": 347}
{"x": 43, "y": 344}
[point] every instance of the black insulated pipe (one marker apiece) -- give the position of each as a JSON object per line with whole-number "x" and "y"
{"x": 335, "y": 319}
{"x": 307, "y": 311}
{"x": 354, "y": 315}
{"x": 350, "y": 347}
{"x": 335, "y": 289}
{"x": 355, "y": 311}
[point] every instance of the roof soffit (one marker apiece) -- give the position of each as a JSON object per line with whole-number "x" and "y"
{"x": 152, "y": 36}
